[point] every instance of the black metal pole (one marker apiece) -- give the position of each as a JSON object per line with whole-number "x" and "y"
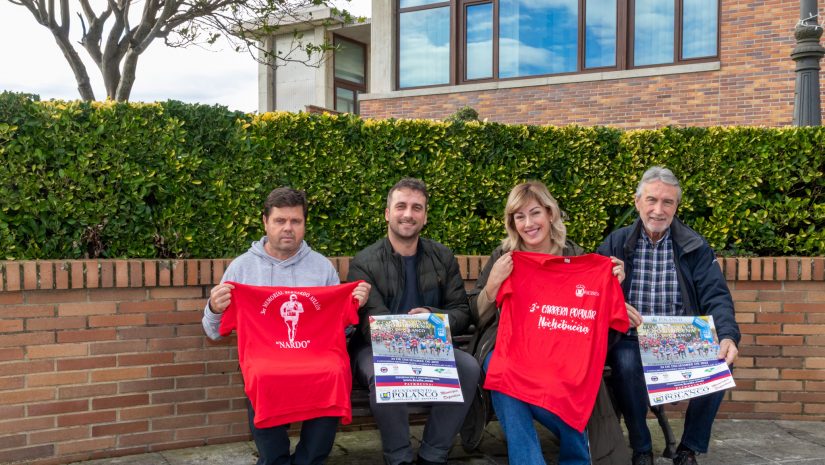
{"x": 807, "y": 109}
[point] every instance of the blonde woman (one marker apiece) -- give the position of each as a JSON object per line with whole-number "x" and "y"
{"x": 533, "y": 221}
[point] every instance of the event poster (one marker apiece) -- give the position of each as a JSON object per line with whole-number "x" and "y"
{"x": 679, "y": 358}
{"x": 414, "y": 359}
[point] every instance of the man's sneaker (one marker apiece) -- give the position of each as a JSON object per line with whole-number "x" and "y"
{"x": 643, "y": 458}
{"x": 685, "y": 457}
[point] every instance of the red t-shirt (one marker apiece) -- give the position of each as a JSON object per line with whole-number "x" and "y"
{"x": 552, "y": 334}
{"x": 292, "y": 350}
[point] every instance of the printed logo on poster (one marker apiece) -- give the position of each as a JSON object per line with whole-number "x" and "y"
{"x": 416, "y": 370}
{"x": 413, "y": 394}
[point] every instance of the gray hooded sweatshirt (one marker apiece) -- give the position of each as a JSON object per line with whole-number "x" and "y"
{"x": 257, "y": 268}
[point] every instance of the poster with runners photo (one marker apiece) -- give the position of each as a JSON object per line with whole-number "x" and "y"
{"x": 679, "y": 358}
{"x": 414, "y": 359}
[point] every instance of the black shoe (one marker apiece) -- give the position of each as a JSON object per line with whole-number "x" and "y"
{"x": 684, "y": 456}
{"x": 642, "y": 458}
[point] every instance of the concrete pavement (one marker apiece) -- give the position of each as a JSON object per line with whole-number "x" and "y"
{"x": 734, "y": 442}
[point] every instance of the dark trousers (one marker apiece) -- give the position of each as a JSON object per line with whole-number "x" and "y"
{"x": 628, "y": 384}
{"x": 315, "y": 444}
{"x": 443, "y": 424}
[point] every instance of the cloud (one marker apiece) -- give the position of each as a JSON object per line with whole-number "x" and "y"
{"x": 480, "y": 59}
{"x": 572, "y": 6}
{"x": 519, "y": 59}
{"x": 700, "y": 23}
{"x": 425, "y": 48}
{"x": 653, "y": 41}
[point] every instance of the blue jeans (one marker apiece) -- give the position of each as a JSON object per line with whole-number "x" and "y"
{"x": 523, "y": 447}
{"x": 317, "y": 438}
{"x": 628, "y": 384}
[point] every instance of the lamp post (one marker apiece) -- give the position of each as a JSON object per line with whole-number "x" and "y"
{"x": 807, "y": 109}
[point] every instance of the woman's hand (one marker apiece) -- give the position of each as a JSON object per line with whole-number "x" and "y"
{"x": 498, "y": 273}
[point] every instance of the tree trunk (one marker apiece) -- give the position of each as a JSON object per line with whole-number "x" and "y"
{"x": 127, "y": 77}
{"x": 84, "y": 84}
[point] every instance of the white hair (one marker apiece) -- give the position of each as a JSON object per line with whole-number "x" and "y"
{"x": 660, "y": 173}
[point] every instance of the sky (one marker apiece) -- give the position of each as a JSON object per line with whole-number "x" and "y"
{"x": 31, "y": 62}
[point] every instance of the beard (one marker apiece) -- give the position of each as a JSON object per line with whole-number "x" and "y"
{"x": 405, "y": 229}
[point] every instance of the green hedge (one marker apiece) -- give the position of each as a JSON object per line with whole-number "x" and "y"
{"x": 181, "y": 180}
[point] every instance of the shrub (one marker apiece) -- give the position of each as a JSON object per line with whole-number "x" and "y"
{"x": 182, "y": 180}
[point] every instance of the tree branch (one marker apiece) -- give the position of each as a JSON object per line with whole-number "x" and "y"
{"x": 179, "y": 22}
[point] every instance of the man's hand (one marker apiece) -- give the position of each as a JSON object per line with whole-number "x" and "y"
{"x": 220, "y": 297}
{"x": 633, "y": 316}
{"x": 618, "y": 269}
{"x": 728, "y": 351}
{"x": 362, "y": 293}
{"x": 419, "y": 310}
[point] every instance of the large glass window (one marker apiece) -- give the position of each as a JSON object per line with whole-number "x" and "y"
{"x": 653, "y": 34}
{"x": 511, "y": 39}
{"x": 537, "y": 38}
{"x": 600, "y": 33}
{"x": 350, "y": 74}
{"x": 344, "y": 100}
{"x": 349, "y": 62}
{"x": 424, "y": 46}
{"x": 700, "y": 22}
{"x": 479, "y": 52}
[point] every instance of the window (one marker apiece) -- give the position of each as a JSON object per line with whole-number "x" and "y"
{"x": 700, "y": 25}
{"x": 462, "y": 41}
{"x": 479, "y": 41}
{"x": 423, "y": 43}
{"x": 537, "y": 38}
{"x": 350, "y": 74}
{"x": 600, "y": 33}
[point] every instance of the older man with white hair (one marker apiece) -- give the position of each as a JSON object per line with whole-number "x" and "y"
{"x": 671, "y": 270}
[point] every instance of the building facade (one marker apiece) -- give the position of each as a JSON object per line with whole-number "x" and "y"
{"x": 622, "y": 63}
{"x": 332, "y": 83}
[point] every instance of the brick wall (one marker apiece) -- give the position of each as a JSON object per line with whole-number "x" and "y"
{"x": 106, "y": 358}
{"x": 754, "y": 86}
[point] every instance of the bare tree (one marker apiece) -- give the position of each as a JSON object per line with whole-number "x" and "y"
{"x": 116, "y": 32}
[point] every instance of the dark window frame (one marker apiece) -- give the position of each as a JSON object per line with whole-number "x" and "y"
{"x": 344, "y": 83}
{"x": 625, "y": 12}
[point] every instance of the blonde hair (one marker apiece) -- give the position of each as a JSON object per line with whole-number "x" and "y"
{"x": 518, "y": 198}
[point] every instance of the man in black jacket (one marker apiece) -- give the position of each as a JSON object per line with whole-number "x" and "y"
{"x": 410, "y": 274}
{"x": 671, "y": 270}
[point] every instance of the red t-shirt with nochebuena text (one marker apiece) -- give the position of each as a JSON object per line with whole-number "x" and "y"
{"x": 552, "y": 334}
{"x": 292, "y": 350}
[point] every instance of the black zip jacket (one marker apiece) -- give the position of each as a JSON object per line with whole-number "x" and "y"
{"x": 440, "y": 284}
{"x": 701, "y": 282}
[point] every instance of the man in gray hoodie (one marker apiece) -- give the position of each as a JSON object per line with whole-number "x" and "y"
{"x": 281, "y": 258}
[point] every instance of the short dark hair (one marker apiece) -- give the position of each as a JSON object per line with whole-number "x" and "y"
{"x": 285, "y": 197}
{"x": 412, "y": 184}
